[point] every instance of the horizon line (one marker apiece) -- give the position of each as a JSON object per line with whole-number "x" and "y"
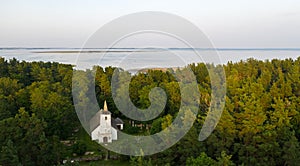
{"x": 174, "y": 48}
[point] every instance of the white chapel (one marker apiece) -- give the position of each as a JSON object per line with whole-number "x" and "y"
{"x": 103, "y": 127}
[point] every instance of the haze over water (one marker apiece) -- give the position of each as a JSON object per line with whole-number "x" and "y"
{"x": 132, "y": 58}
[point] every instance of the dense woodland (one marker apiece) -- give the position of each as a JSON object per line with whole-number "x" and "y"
{"x": 260, "y": 124}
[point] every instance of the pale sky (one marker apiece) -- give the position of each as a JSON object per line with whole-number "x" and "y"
{"x": 228, "y": 23}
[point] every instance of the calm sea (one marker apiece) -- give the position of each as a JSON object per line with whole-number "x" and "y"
{"x": 134, "y": 58}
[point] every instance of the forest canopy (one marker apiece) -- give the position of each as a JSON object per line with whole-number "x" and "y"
{"x": 260, "y": 124}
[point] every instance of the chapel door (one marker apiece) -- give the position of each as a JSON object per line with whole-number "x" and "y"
{"x": 105, "y": 140}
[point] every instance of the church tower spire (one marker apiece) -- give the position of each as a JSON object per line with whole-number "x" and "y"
{"x": 105, "y": 106}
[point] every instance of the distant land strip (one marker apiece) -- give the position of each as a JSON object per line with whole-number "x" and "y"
{"x": 94, "y": 51}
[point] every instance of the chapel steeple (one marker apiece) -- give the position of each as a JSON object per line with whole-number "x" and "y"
{"x": 105, "y": 106}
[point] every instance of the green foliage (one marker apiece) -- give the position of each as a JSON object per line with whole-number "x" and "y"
{"x": 9, "y": 154}
{"x": 156, "y": 126}
{"x": 140, "y": 161}
{"x": 203, "y": 159}
{"x": 224, "y": 160}
{"x": 79, "y": 148}
{"x": 24, "y": 135}
{"x": 260, "y": 124}
{"x": 166, "y": 121}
